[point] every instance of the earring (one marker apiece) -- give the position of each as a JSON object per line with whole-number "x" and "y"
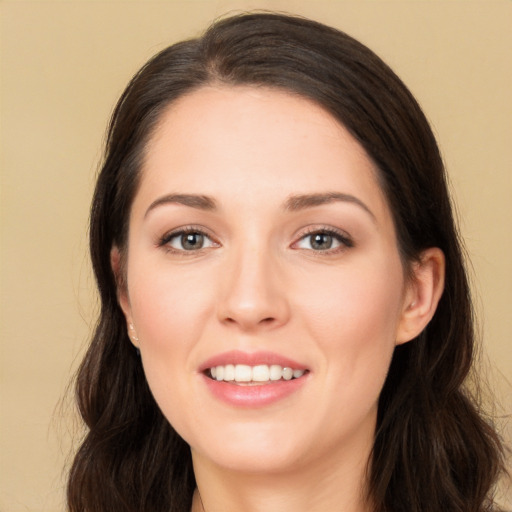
{"x": 134, "y": 336}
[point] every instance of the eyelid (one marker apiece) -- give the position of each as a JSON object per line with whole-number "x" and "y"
{"x": 341, "y": 236}
{"x": 164, "y": 240}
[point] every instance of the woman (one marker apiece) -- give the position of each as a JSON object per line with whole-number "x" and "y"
{"x": 286, "y": 321}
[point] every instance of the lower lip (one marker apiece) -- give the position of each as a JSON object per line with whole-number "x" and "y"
{"x": 259, "y": 395}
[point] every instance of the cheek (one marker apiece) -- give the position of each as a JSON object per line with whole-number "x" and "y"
{"x": 354, "y": 324}
{"x": 353, "y": 314}
{"x": 168, "y": 307}
{"x": 169, "y": 310}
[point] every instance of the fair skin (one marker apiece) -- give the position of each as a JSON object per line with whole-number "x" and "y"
{"x": 289, "y": 255}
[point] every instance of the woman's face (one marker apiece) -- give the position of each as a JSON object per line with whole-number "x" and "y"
{"x": 261, "y": 245}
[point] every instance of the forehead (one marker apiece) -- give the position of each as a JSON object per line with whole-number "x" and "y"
{"x": 248, "y": 143}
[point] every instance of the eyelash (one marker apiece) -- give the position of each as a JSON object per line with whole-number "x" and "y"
{"x": 342, "y": 238}
{"x": 165, "y": 240}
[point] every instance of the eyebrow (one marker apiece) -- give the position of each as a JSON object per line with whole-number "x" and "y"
{"x": 192, "y": 200}
{"x": 301, "y": 202}
{"x": 293, "y": 203}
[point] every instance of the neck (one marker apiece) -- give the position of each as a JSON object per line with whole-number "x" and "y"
{"x": 333, "y": 487}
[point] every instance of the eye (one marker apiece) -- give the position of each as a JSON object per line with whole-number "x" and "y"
{"x": 187, "y": 240}
{"x": 323, "y": 240}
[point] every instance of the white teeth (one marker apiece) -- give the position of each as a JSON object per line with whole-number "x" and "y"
{"x": 259, "y": 373}
{"x": 287, "y": 373}
{"x": 229, "y": 372}
{"x": 298, "y": 373}
{"x": 243, "y": 373}
{"x": 276, "y": 372}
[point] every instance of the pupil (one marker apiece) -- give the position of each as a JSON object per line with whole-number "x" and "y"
{"x": 192, "y": 241}
{"x": 322, "y": 241}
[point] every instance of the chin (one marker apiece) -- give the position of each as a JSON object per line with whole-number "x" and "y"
{"x": 253, "y": 450}
{"x": 251, "y": 461}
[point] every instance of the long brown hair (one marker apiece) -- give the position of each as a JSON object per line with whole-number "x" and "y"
{"x": 433, "y": 451}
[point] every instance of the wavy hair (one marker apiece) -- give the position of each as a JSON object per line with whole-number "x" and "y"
{"x": 433, "y": 450}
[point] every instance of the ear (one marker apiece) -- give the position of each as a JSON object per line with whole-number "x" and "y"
{"x": 122, "y": 292}
{"x": 422, "y": 294}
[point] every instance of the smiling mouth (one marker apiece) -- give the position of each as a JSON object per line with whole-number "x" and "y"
{"x": 245, "y": 375}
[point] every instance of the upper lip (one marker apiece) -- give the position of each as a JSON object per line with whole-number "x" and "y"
{"x": 251, "y": 359}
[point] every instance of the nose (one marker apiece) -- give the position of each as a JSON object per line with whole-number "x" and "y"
{"x": 253, "y": 293}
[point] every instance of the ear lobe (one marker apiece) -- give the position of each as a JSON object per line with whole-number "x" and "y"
{"x": 122, "y": 292}
{"x": 422, "y": 295}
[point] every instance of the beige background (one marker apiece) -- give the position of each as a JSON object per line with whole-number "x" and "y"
{"x": 63, "y": 66}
